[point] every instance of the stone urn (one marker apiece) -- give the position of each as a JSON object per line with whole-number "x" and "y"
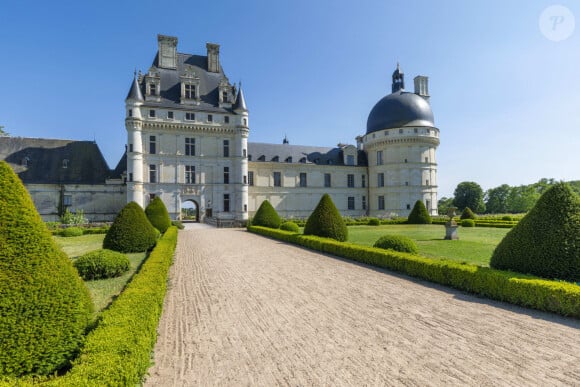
{"x": 451, "y": 225}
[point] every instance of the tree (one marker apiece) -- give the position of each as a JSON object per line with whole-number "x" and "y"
{"x": 469, "y": 194}
{"x": 326, "y": 221}
{"x": 157, "y": 214}
{"x": 266, "y": 216}
{"x": 419, "y": 214}
{"x": 522, "y": 198}
{"x": 443, "y": 205}
{"x": 496, "y": 199}
{"x": 546, "y": 242}
{"x": 45, "y": 307}
{"x": 3, "y": 133}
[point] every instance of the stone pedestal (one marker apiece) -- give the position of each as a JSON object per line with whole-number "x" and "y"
{"x": 451, "y": 231}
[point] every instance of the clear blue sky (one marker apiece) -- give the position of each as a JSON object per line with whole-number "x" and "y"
{"x": 505, "y": 98}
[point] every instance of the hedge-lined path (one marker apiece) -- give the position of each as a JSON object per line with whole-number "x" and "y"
{"x": 246, "y": 310}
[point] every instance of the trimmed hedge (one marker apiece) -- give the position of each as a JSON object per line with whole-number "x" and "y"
{"x": 546, "y": 242}
{"x": 71, "y": 232}
{"x": 157, "y": 214}
{"x": 419, "y": 214}
{"x": 290, "y": 226}
{"x": 266, "y": 216}
{"x": 326, "y": 221}
{"x": 118, "y": 351}
{"x": 102, "y": 263}
{"x": 131, "y": 231}
{"x": 519, "y": 289}
{"x": 399, "y": 243}
{"x": 374, "y": 222}
{"x": 45, "y": 307}
{"x": 467, "y": 223}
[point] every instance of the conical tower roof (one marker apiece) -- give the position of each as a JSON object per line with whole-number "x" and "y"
{"x": 135, "y": 91}
{"x": 240, "y": 104}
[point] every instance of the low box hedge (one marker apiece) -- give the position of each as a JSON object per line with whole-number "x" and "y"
{"x": 118, "y": 351}
{"x": 519, "y": 289}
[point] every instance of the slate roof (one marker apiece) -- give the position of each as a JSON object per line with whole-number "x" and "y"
{"x": 399, "y": 109}
{"x": 298, "y": 154}
{"x": 42, "y": 161}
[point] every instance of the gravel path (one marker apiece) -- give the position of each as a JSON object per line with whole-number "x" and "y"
{"x": 245, "y": 310}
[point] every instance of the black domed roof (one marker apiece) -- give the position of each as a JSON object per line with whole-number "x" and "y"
{"x": 400, "y": 109}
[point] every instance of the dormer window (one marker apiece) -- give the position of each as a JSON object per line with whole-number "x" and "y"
{"x": 152, "y": 89}
{"x": 224, "y": 96}
{"x": 276, "y": 159}
{"x": 189, "y": 86}
{"x": 189, "y": 91}
{"x": 65, "y": 163}
{"x": 303, "y": 160}
{"x": 289, "y": 159}
{"x": 262, "y": 158}
{"x": 153, "y": 84}
{"x": 24, "y": 162}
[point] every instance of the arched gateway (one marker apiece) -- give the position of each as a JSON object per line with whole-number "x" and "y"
{"x": 190, "y": 210}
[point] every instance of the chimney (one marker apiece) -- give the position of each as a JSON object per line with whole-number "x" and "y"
{"x": 167, "y": 58}
{"x": 422, "y": 86}
{"x": 213, "y": 57}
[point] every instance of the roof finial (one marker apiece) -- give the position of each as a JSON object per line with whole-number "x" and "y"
{"x": 135, "y": 72}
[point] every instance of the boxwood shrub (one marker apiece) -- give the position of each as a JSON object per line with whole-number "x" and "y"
{"x": 157, "y": 214}
{"x": 467, "y": 214}
{"x": 525, "y": 290}
{"x": 468, "y": 223}
{"x": 419, "y": 214}
{"x": 289, "y": 226}
{"x": 399, "y": 243}
{"x": 326, "y": 221}
{"x": 101, "y": 264}
{"x": 374, "y": 222}
{"x": 71, "y": 232}
{"x": 266, "y": 216}
{"x": 131, "y": 231}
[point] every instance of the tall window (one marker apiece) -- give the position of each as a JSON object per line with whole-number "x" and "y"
{"x": 351, "y": 203}
{"x": 226, "y": 202}
{"x": 169, "y": 115}
{"x": 364, "y": 202}
{"x": 226, "y": 175}
{"x": 245, "y": 179}
{"x": 153, "y": 173}
{"x": 381, "y": 180}
{"x": 250, "y": 177}
{"x": 381, "y": 202}
{"x": 379, "y": 157}
{"x": 151, "y": 113}
{"x": 350, "y": 180}
{"x": 349, "y": 160}
{"x": 152, "y": 89}
{"x": 303, "y": 182}
{"x": 67, "y": 200}
{"x": 210, "y": 118}
{"x": 152, "y": 145}
{"x": 189, "y": 91}
{"x": 190, "y": 174}
{"x": 226, "y": 148}
{"x": 327, "y": 181}
{"x": 226, "y": 120}
{"x": 277, "y": 179}
{"x": 189, "y": 146}
{"x": 363, "y": 181}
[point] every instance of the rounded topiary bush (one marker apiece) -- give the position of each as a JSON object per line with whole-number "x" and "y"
{"x": 45, "y": 307}
{"x": 157, "y": 214}
{"x": 374, "y": 222}
{"x": 325, "y": 221}
{"x": 546, "y": 242}
{"x": 131, "y": 232}
{"x": 71, "y": 232}
{"x": 266, "y": 216}
{"x": 398, "y": 243}
{"x": 101, "y": 264}
{"x": 467, "y": 214}
{"x": 468, "y": 223}
{"x": 507, "y": 218}
{"x": 419, "y": 214}
{"x": 290, "y": 226}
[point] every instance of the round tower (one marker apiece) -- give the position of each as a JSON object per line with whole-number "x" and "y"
{"x": 241, "y": 159}
{"x": 134, "y": 124}
{"x": 401, "y": 141}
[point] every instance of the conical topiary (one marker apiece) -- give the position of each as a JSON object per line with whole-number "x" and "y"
{"x": 546, "y": 242}
{"x": 326, "y": 221}
{"x": 131, "y": 231}
{"x": 467, "y": 214}
{"x": 266, "y": 216}
{"x": 44, "y": 305}
{"x": 419, "y": 214}
{"x": 157, "y": 214}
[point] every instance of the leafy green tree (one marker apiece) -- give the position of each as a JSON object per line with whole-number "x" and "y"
{"x": 419, "y": 214}
{"x": 546, "y": 242}
{"x": 157, "y": 214}
{"x": 522, "y": 198}
{"x": 131, "y": 232}
{"x": 326, "y": 221}
{"x": 266, "y": 216}
{"x": 44, "y": 305}
{"x": 469, "y": 194}
{"x": 443, "y": 205}
{"x": 496, "y": 199}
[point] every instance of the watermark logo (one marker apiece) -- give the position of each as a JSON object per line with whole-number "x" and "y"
{"x": 557, "y": 23}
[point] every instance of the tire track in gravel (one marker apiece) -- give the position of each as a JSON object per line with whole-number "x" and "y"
{"x": 245, "y": 310}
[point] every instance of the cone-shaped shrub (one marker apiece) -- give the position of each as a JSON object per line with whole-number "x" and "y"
{"x": 131, "y": 231}
{"x": 467, "y": 214}
{"x": 546, "y": 242}
{"x": 44, "y": 305}
{"x": 157, "y": 214}
{"x": 419, "y": 214}
{"x": 266, "y": 216}
{"x": 326, "y": 221}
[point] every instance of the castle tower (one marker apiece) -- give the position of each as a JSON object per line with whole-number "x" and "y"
{"x": 134, "y": 124}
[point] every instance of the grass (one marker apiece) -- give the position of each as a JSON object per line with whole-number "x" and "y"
{"x": 105, "y": 290}
{"x": 475, "y": 244}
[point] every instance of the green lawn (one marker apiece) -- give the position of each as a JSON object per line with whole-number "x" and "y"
{"x": 475, "y": 244}
{"x": 102, "y": 291}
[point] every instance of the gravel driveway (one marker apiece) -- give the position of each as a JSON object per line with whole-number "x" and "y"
{"x": 242, "y": 310}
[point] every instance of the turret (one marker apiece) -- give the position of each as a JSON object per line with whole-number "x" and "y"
{"x": 398, "y": 79}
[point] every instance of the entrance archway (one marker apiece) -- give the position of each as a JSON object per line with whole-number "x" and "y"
{"x": 190, "y": 211}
